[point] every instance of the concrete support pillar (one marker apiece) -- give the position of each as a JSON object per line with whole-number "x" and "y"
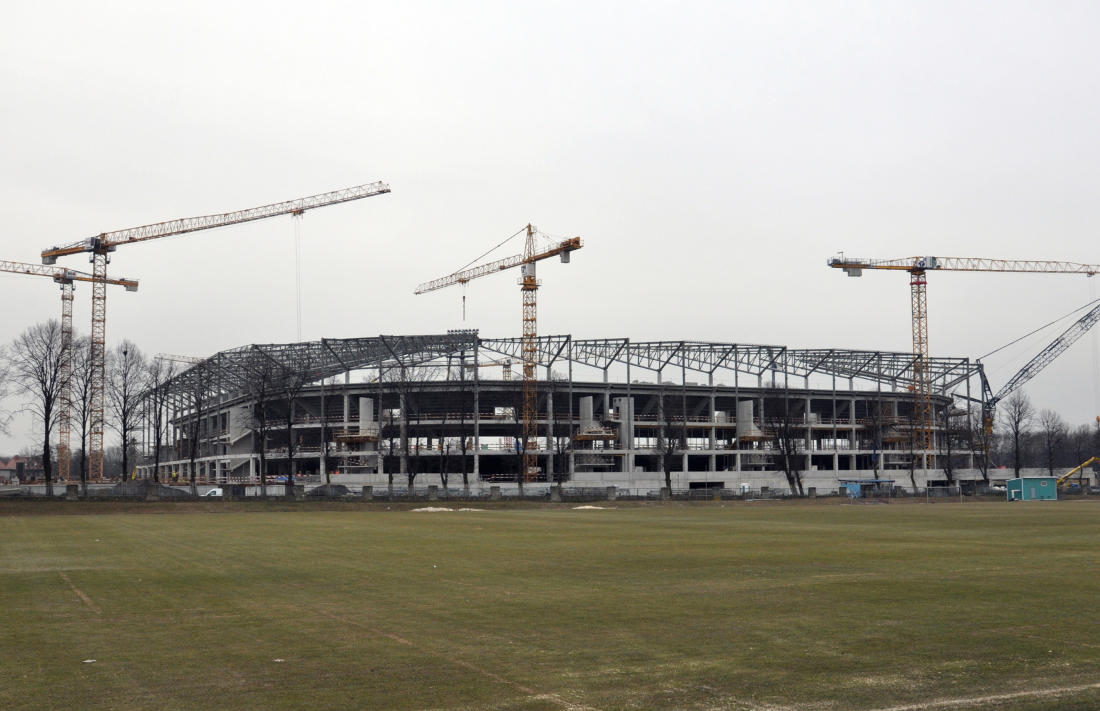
{"x": 368, "y": 493}
{"x": 433, "y": 493}
{"x": 611, "y": 492}
{"x": 549, "y": 430}
{"x": 494, "y": 493}
{"x": 404, "y": 429}
{"x": 555, "y": 494}
{"x": 809, "y": 436}
{"x": 477, "y": 421}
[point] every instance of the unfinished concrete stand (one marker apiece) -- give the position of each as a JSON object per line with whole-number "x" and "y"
{"x": 555, "y": 494}
{"x": 494, "y": 493}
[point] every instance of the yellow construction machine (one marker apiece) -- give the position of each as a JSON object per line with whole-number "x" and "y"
{"x": 1068, "y": 475}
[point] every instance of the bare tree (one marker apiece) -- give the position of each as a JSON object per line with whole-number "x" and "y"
{"x": 5, "y": 383}
{"x": 158, "y": 376}
{"x": 980, "y": 439}
{"x": 195, "y": 392}
{"x": 126, "y": 382}
{"x": 874, "y": 426}
{"x": 260, "y": 384}
{"x": 786, "y": 438}
{"x": 82, "y": 400}
{"x": 323, "y": 461}
{"x": 293, "y": 382}
{"x": 957, "y": 435}
{"x": 464, "y": 431}
{"x": 36, "y": 365}
{"x": 670, "y": 439}
{"x": 411, "y": 383}
{"x": 560, "y": 442}
{"x": 1080, "y": 444}
{"x": 1017, "y": 413}
{"x": 1052, "y": 433}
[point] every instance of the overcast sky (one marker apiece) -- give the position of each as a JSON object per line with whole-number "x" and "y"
{"x": 711, "y": 155}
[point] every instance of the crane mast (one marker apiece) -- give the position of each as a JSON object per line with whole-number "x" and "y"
{"x": 529, "y": 286}
{"x": 65, "y": 278}
{"x": 100, "y": 246}
{"x": 918, "y": 287}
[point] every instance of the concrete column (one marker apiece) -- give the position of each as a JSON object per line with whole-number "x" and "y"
{"x": 549, "y": 430}
{"x": 404, "y": 434}
{"x": 477, "y": 420}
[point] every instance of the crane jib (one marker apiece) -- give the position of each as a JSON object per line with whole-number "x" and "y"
{"x": 107, "y": 241}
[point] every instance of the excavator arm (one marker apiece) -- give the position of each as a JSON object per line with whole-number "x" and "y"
{"x": 1068, "y": 475}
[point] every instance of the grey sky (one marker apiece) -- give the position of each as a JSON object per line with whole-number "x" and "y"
{"x": 711, "y": 155}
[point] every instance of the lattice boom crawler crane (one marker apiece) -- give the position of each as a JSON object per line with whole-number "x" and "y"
{"x": 65, "y": 277}
{"x": 529, "y": 285}
{"x": 100, "y": 246}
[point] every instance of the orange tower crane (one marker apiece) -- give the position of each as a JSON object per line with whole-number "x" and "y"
{"x": 529, "y": 285}
{"x": 64, "y": 277}
{"x": 100, "y": 246}
{"x": 918, "y": 286}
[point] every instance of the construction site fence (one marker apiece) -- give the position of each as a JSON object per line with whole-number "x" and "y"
{"x": 509, "y": 491}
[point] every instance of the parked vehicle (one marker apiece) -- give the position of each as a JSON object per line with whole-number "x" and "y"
{"x": 215, "y": 492}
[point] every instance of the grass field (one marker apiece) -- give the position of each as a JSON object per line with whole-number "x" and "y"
{"x": 739, "y": 606}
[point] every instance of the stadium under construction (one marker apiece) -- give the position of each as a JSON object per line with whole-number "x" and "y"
{"x": 444, "y": 410}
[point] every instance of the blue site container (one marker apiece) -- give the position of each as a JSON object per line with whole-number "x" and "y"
{"x": 1032, "y": 488}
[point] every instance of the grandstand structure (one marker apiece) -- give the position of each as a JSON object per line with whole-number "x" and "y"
{"x": 417, "y": 410}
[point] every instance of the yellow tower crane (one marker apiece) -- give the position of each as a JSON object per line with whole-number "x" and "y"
{"x": 64, "y": 277}
{"x": 918, "y": 285}
{"x": 529, "y": 285}
{"x": 101, "y": 245}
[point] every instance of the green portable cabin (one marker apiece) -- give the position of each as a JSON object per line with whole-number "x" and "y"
{"x": 1032, "y": 488}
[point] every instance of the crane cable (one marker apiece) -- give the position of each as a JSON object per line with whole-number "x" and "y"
{"x": 298, "y": 270}
{"x": 479, "y": 258}
{"x": 476, "y": 259}
{"x": 1028, "y": 335}
{"x": 1095, "y": 362}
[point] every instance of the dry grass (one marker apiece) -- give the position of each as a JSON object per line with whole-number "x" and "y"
{"x": 713, "y": 606}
